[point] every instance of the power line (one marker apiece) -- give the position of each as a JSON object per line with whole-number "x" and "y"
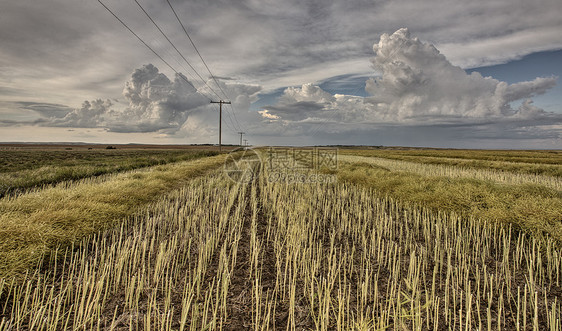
{"x": 220, "y": 121}
{"x": 231, "y": 122}
{"x": 148, "y": 46}
{"x": 241, "y": 133}
{"x": 174, "y": 46}
{"x": 196, "y": 50}
{"x": 230, "y": 126}
{"x": 234, "y": 113}
{"x": 157, "y": 43}
{"x": 202, "y": 60}
{"x": 170, "y": 66}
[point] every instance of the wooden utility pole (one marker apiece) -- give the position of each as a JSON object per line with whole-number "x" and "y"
{"x": 241, "y": 133}
{"x": 220, "y": 102}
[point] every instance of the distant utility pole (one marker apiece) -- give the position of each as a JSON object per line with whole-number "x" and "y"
{"x": 245, "y": 142}
{"x": 220, "y": 102}
{"x": 241, "y": 133}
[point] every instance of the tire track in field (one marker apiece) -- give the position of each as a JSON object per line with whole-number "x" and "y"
{"x": 279, "y": 312}
{"x": 241, "y": 300}
{"x": 239, "y": 303}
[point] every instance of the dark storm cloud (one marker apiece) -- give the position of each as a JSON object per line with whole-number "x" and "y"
{"x": 48, "y": 38}
{"x": 446, "y": 136}
{"x": 10, "y": 91}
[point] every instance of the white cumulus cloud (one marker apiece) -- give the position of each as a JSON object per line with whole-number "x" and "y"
{"x": 418, "y": 81}
{"x": 154, "y": 103}
{"x": 90, "y": 115}
{"x": 417, "y": 86}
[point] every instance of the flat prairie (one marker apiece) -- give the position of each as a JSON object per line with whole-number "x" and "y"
{"x": 403, "y": 239}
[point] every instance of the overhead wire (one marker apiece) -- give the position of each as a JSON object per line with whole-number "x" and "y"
{"x": 195, "y": 47}
{"x": 204, "y": 63}
{"x": 231, "y": 126}
{"x": 148, "y": 46}
{"x": 234, "y": 114}
{"x": 174, "y": 46}
{"x": 231, "y": 122}
{"x": 233, "y": 130}
{"x": 174, "y": 58}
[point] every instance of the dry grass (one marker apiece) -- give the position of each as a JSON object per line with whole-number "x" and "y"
{"x": 518, "y": 156}
{"x": 548, "y": 163}
{"x": 444, "y": 170}
{"x": 36, "y": 223}
{"x": 481, "y": 194}
{"x": 21, "y": 170}
{"x": 263, "y": 256}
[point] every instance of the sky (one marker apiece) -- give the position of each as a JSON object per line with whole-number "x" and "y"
{"x": 434, "y": 73}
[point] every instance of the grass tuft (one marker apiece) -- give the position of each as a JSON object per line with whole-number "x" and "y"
{"x": 35, "y": 223}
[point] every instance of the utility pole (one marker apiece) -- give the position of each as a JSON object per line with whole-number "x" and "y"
{"x": 241, "y": 133}
{"x": 246, "y": 142}
{"x": 220, "y": 102}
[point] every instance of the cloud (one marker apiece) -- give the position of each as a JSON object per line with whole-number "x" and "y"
{"x": 502, "y": 46}
{"x": 90, "y": 115}
{"x": 418, "y": 81}
{"x": 294, "y": 111}
{"x": 267, "y": 115}
{"x": 45, "y": 109}
{"x": 297, "y": 104}
{"x": 61, "y": 50}
{"x": 417, "y": 86}
{"x": 154, "y": 103}
{"x": 529, "y": 89}
{"x": 241, "y": 95}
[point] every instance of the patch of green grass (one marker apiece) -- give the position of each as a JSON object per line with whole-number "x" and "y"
{"x": 36, "y": 223}
{"x": 532, "y": 208}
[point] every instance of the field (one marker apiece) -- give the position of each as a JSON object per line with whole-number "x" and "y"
{"x": 523, "y": 162}
{"x": 28, "y": 166}
{"x": 403, "y": 239}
